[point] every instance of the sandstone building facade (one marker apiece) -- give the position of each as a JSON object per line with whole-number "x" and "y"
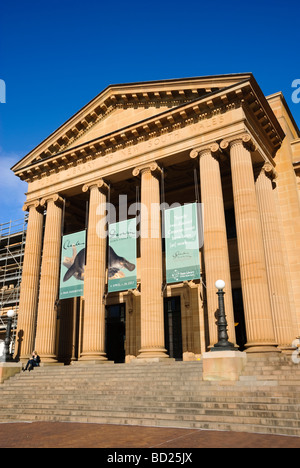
{"x": 217, "y": 140}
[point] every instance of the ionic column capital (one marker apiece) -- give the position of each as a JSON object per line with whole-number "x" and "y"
{"x": 100, "y": 184}
{"x": 212, "y": 148}
{"x": 152, "y": 167}
{"x": 55, "y": 198}
{"x": 244, "y": 139}
{"x": 266, "y": 170}
{"x": 270, "y": 171}
{"x": 33, "y": 204}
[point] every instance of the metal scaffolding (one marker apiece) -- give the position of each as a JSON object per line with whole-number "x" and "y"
{"x": 12, "y": 245}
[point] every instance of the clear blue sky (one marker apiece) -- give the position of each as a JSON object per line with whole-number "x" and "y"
{"x": 55, "y": 56}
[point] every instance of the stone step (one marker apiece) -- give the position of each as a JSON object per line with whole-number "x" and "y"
{"x": 158, "y": 398}
{"x": 262, "y": 411}
{"x": 34, "y": 414}
{"x": 266, "y": 399}
{"x": 277, "y": 388}
{"x": 36, "y": 376}
{"x": 216, "y": 426}
{"x": 262, "y": 417}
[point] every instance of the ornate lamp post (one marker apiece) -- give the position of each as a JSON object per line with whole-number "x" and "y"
{"x": 223, "y": 343}
{"x": 7, "y": 356}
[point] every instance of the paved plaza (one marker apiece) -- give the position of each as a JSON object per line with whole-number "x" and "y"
{"x": 69, "y": 435}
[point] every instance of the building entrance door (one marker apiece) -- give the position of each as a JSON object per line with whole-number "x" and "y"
{"x": 115, "y": 332}
{"x": 239, "y": 318}
{"x": 173, "y": 329}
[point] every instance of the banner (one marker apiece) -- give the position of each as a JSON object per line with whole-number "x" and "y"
{"x": 72, "y": 265}
{"x": 182, "y": 244}
{"x": 122, "y": 256}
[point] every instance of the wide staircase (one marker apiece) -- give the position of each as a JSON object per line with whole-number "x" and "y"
{"x": 266, "y": 399}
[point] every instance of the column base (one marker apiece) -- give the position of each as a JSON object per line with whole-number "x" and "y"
{"x": 153, "y": 354}
{"x": 50, "y": 364}
{"x": 48, "y": 359}
{"x": 286, "y": 350}
{"x": 93, "y": 358}
{"x": 90, "y": 362}
{"x": 262, "y": 348}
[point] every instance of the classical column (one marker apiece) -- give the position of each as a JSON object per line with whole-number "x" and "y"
{"x": 257, "y": 306}
{"x": 45, "y": 343}
{"x": 30, "y": 281}
{"x": 93, "y": 338}
{"x": 276, "y": 272}
{"x": 152, "y": 305}
{"x": 216, "y": 257}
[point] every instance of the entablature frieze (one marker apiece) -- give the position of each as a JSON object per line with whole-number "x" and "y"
{"x": 162, "y": 128}
{"x": 125, "y": 161}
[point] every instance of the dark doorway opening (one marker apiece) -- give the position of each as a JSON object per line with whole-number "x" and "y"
{"x": 115, "y": 332}
{"x": 239, "y": 318}
{"x": 173, "y": 328}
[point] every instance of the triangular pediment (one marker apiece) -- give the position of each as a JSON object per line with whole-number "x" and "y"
{"x": 121, "y": 105}
{"x": 118, "y": 118}
{"x": 124, "y": 115}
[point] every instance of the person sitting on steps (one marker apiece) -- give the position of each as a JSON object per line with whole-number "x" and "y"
{"x": 33, "y": 362}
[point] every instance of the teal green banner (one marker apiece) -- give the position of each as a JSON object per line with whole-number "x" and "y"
{"x": 122, "y": 274}
{"x": 182, "y": 244}
{"x": 72, "y": 265}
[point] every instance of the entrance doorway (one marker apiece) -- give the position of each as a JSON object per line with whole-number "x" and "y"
{"x": 239, "y": 318}
{"x": 173, "y": 329}
{"x": 115, "y": 332}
